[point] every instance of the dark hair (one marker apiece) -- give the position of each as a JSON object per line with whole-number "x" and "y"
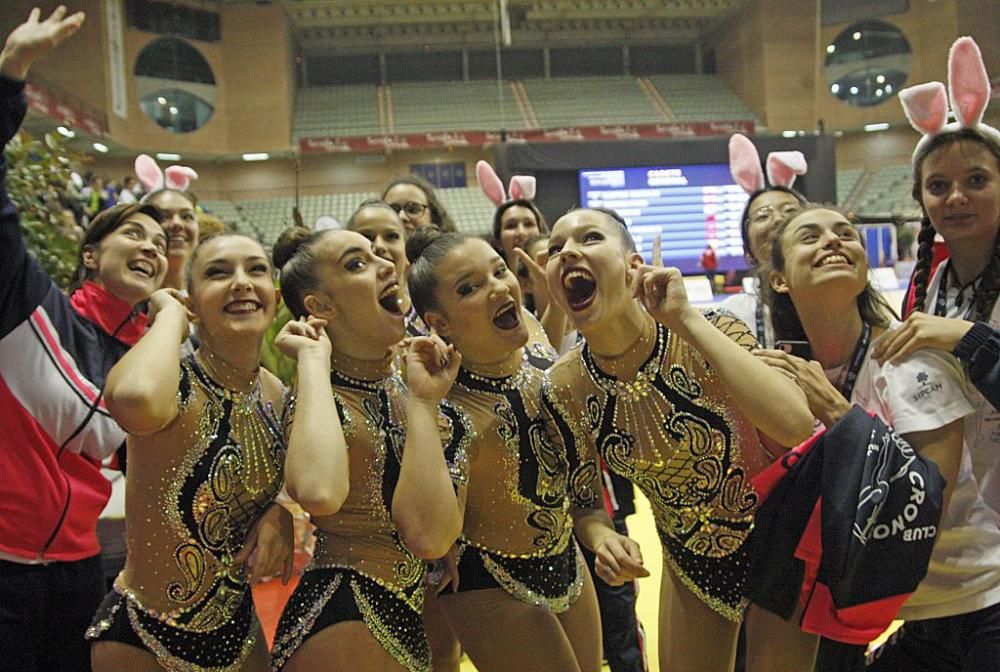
{"x": 426, "y": 248}
{"x": 543, "y": 226}
{"x": 370, "y": 203}
{"x": 745, "y": 218}
{"x": 439, "y": 215}
{"x": 294, "y": 253}
{"x": 626, "y": 237}
{"x": 202, "y": 242}
{"x": 989, "y": 283}
{"x": 874, "y": 309}
{"x": 103, "y": 225}
{"x": 186, "y": 195}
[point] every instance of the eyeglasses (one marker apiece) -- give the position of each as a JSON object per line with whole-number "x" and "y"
{"x": 411, "y": 208}
{"x": 768, "y": 212}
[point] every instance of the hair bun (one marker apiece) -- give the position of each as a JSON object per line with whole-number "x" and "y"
{"x": 288, "y": 243}
{"x": 419, "y": 240}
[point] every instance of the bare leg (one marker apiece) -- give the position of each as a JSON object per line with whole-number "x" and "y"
{"x": 777, "y": 645}
{"x": 692, "y": 636}
{"x": 446, "y": 654}
{"x": 106, "y": 656}
{"x": 345, "y": 646}
{"x": 582, "y": 624}
{"x": 502, "y": 634}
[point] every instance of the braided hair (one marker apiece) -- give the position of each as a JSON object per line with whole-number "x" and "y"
{"x": 989, "y": 281}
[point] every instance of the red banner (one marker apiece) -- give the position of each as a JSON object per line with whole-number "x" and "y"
{"x": 380, "y": 143}
{"x": 44, "y": 101}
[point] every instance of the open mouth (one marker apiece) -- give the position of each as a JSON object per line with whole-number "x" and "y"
{"x": 142, "y": 267}
{"x": 833, "y": 259}
{"x": 389, "y": 299}
{"x": 242, "y": 307}
{"x": 580, "y": 288}
{"x": 507, "y": 317}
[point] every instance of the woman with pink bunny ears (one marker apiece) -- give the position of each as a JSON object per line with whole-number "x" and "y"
{"x": 167, "y": 190}
{"x": 953, "y": 619}
{"x": 516, "y": 221}
{"x": 766, "y": 209}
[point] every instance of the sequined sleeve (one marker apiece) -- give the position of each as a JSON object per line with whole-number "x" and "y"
{"x": 584, "y": 476}
{"x": 734, "y": 328}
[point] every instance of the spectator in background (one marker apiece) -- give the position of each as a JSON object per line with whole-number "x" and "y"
{"x": 710, "y": 264}
{"x": 130, "y": 190}
{"x": 413, "y": 198}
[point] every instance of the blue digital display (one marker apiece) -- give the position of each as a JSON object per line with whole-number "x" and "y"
{"x": 689, "y": 206}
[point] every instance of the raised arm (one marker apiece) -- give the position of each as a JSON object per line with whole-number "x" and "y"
{"x": 772, "y": 402}
{"x": 33, "y": 39}
{"x": 141, "y": 390}
{"x": 425, "y": 508}
{"x": 316, "y": 466}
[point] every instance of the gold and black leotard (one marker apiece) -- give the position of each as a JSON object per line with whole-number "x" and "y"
{"x": 518, "y": 532}
{"x": 361, "y": 568}
{"x": 672, "y": 428}
{"x": 193, "y": 491}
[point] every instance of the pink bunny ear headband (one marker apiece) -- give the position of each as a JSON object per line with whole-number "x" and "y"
{"x": 154, "y": 179}
{"x": 926, "y": 105}
{"x": 744, "y": 163}
{"x": 521, "y": 186}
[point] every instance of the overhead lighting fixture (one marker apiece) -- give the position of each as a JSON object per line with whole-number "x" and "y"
{"x": 888, "y": 88}
{"x": 854, "y": 90}
{"x": 878, "y": 93}
{"x": 880, "y": 79}
{"x": 65, "y": 132}
{"x": 161, "y": 100}
{"x": 856, "y": 35}
{"x": 167, "y": 156}
{"x": 838, "y": 134}
{"x": 835, "y": 88}
{"x": 830, "y": 48}
{"x": 101, "y": 147}
{"x": 880, "y": 126}
{"x": 256, "y": 156}
{"x": 789, "y": 134}
{"x": 173, "y": 110}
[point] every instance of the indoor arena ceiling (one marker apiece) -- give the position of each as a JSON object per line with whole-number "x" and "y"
{"x": 367, "y": 25}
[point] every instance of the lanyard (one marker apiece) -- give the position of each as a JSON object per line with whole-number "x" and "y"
{"x": 941, "y": 303}
{"x": 761, "y": 335}
{"x": 857, "y": 359}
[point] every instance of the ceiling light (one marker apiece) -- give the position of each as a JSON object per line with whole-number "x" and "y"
{"x": 173, "y": 110}
{"x": 856, "y": 35}
{"x": 101, "y": 147}
{"x": 168, "y": 156}
{"x": 830, "y": 48}
{"x": 161, "y": 100}
{"x": 880, "y": 79}
{"x": 838, "y": 134}
{"x": 789, "y": 134}
{"x": 854, "y": 90}
{"x": 878, "y": 93}
{"x": 835, "y": 88}
{"x": 65, "y": 132}
{"x": 256, "y": 156}
{"x": 888, "y": 88}
{"x": 880, "y": 126}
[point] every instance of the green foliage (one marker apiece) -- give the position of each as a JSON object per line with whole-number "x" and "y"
{"x": 275, "y": 362}
{"x": 37, "y": 172}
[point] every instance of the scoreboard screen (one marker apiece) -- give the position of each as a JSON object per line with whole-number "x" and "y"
{"x": 689, "y": 206}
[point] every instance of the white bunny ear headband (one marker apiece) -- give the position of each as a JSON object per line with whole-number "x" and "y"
{"x": 521, "y": 186}
{"x": 744, "y": 164}
{"x": 926, "y": 105}
{"x": 154, "y": 179}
